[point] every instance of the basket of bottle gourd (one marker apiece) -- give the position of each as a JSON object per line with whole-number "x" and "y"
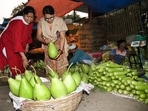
{"x": 54, "y": 94}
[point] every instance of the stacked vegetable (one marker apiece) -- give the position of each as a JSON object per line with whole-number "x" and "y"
{"x": 30, "y": 86}
{"x": 108, "y": 75}
{"x": 119, "y": 79}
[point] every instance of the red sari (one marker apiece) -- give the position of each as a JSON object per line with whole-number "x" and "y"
{"x": 13, "y": 40}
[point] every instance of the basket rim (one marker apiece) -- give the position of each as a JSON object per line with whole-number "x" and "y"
{"x": 67, "y": 103}
{"x": 57, "y": 99}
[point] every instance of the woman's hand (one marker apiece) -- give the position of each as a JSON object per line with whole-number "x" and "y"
{"x": 27, "y": 48}
{"x": 59, "y": 53}
{"x": 25, "y": 62}
{"x": 24, "y": 59}
{"x": 47, "y": 41}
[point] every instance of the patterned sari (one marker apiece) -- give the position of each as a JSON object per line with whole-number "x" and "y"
{"x": 60, "y": 64}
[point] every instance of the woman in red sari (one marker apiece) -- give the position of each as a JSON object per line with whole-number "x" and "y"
{"x": 14, "y": 41}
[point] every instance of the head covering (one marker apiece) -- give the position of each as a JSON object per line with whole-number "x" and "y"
{"x": 72, "y": 46}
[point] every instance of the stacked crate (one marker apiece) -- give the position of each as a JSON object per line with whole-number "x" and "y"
{"x": 92, "y": 34}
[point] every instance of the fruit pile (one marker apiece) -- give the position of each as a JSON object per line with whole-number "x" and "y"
{"x": 119, "y": 79}
{"x": 30, "y": 86}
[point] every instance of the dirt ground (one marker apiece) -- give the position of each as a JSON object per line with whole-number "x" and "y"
{"x": 104, "y": 101}
{"x": 95, "y": 101}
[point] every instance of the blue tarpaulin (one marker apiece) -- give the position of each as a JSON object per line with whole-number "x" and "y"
{"x": 104, "y": 6}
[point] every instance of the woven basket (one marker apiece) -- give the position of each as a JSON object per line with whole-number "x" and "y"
{"x": 67, "y": 103}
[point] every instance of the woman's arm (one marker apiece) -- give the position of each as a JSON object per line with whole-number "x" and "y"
{"x": 24, "y": 59}
{"x": 39, "y": 35}
{"x": 62, "y": 36}
{"x": 27, "y": 48}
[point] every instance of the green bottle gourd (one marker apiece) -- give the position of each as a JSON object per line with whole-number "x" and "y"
{"x": 35, "y": 79}
{"x": 52, "y": 50}
{"x": 57, "y": 88}
{"x": 28, "y": 74}
{"x": 52, "y": 73}
{"x": 14, "y": 86}
{"x": 84, "y": 78}
{"x": 69, "y": 83}
{"x": 77, "y": 77}
{"x": 25, "y": 89}
{"x": 41, "y": 92}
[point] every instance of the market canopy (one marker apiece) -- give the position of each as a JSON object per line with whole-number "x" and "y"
{"x": 64, "y": 6}
{"x": 61, "y": 6}
{"x": 104, "y": 6}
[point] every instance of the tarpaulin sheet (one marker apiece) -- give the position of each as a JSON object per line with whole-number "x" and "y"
{"x": 64, "y": 6}
{"x": 104, "y": 6}
{"x": 61, "y": 6}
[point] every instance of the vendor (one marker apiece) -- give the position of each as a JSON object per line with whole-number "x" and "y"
{"x": 118, "y": 54}
{"x": 78, "y": 56}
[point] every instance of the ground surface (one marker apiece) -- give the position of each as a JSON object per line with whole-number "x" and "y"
{"x": 95, "y": 101}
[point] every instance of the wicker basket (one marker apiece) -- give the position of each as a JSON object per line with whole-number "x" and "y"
{"x": 67, "y": 103}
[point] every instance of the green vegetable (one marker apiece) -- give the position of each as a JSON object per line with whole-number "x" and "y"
{"x": 25, "y": 89}
{"x": 14, "y": 86}
{"x": 113, "y": 65}
{"x": 69, "y": 83}
{"x": 77, "y": 77}
{"x": 52, "y": 50}
{"x": 41, "y": 92}
{"x": 141, "y": 87}
{"x": 57, "y": 88}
